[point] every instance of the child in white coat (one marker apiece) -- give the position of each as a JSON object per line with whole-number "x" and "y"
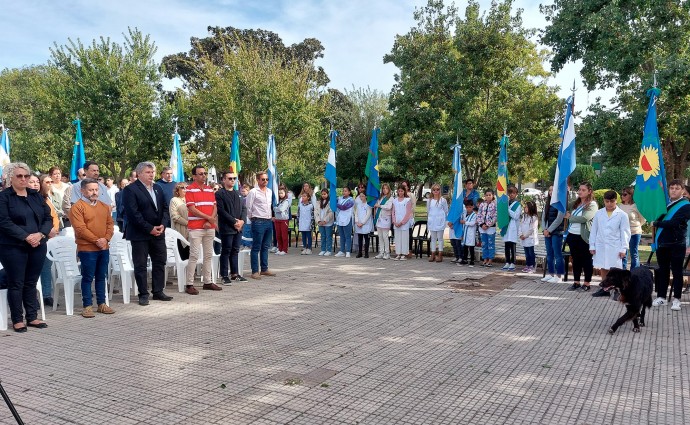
{"x": 610, "y": 235}
{"x": 364, "y": 223}
{"x": 383, "y": 213}
{"x": 306, "y": 215}
{"x": 511, "y": 237}
{"x": 437, "y": 211}
{"x": 469, "y": 234}
{"x": 529, "y": 226}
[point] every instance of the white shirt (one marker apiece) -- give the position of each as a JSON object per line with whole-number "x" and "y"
{"x": 259, "y": 203}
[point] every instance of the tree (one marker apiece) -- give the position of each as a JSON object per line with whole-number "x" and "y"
{"x": 115, "y": 90}
{"x": 622, "y": 45}
{"x": 249, "y": 78}
{"x": 471, "y": 78}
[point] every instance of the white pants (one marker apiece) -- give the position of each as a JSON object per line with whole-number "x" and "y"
{"x": 200, "y": 238}
{"x": 383, "y": 241}
{"x": 402, "y": 241}
{"x": 436, "y": 240}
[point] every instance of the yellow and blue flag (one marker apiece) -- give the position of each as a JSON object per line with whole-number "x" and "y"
{"x": 502, "y": 201}
{"x": 78, "y": 156}
{"x": 372, "y": 170}
{"x": 235, "y": 165}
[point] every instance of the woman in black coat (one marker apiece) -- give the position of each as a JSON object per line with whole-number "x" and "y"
{"x": 25, "y": 224}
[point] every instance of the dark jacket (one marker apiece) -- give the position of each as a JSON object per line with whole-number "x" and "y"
{"x": 230, "y": 209}
{"x": 673, "y": 233}
{"x": 141, "y": 213}
{"x": 120, "y": 210}
{"x": 21, "y": 216}
{"x": 168, "y": 192}
{"x": 551, "y": 216}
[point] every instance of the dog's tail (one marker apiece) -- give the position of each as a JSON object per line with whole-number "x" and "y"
{"x": 648, "y": 302}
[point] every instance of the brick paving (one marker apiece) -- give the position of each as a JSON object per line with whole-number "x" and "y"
{"x": 354, "y": 341}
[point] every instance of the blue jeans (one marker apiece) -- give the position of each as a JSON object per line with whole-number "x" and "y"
{"x": 262, "y": 238}
{"x": 488, "y": 246}
{"x": 306, "y": 239}
{"x": 247, "y": 235}
{"x": 633, "y": 250}
{"x": 94, "y": 264}
{"x": 554, "y": 254}
{"x": 345, "y": 233}
{"x": 530, "y": 258}
{"x": 47, "y": 279}
{"x": 326, "y": 238}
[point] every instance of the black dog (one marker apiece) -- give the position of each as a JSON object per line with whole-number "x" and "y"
{"x": 635, "y": 292}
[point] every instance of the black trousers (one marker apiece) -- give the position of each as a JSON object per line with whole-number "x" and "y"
{"x": 141, "y": 250}
{"x": 229, "y": 252}
{"x": 465, "y": 251}
{"x": 361, "y": 237}
{"x": 457, "y": 247}
{"x": 23, "y": 267}
{"x": 670, "y": 261}
{"x": 510, "y": 252}
{"x": 582, "y": 259}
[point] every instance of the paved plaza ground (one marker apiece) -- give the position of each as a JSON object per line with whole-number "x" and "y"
{"x": 355, "y": 341}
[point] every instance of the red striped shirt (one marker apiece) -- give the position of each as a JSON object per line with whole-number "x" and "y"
{"x": 203, "y": 199}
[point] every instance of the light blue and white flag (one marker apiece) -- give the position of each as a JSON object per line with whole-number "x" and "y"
{"x": 456, "y": 203}
{"x": 566, "y": 159}
{"x": 4, "y": 148}
{"x": 330, "y": 174}
{"x": 272, "y": 158}
{"x": 176, "y": 159}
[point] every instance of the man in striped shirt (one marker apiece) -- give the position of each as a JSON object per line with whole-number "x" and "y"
{"x": 203, "y": 221}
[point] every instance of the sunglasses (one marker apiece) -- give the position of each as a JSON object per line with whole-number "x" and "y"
{"x": 231, "y": 178}
{"x": 22, "y": 176}
{"x": 264, "y": 180}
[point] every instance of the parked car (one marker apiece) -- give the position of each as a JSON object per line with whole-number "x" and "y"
{"x": 529, "y": 191}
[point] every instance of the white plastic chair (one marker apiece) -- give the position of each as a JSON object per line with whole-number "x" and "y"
{"x": 123, "y": 268}
{"x": 5, "y": 308}
{"x": 171, "y": 238}
{"x": 62, "y": 251}
{"x": 241, "y": 257}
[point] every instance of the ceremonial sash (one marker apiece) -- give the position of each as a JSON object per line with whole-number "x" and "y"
{"x": 378, "y": 210}
{"x": 669, "y": 215}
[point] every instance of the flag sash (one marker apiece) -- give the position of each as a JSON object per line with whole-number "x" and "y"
{"x": 674, "y": 209}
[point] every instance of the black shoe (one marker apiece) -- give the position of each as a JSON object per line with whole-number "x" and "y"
{"x": 239, "y": 278}
{"x": 227, "y": 281}
{"x": 39, "y": 325}
{"x": 463, "y": 262}
{"x": 20, "y": 330}
{"x": 601, "y": 293}
{"x": 359, "y": 255}
{"x": 48, "y": 301}
{"x": 574, "y": 287}
{"x": 162, "y": 297}
{"x": 366, "y": 255}
{"x": 143, "y": 300}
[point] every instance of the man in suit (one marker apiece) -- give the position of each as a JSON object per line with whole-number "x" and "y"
{"x": 146, "y": 210}
{"x": 232, "y": 214}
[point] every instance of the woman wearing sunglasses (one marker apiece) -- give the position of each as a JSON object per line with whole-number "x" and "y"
{"x": 25, "y": 225}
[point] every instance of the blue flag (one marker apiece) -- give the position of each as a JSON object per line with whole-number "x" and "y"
{"x": 176, "y": 159}
{"x": 4, "y": 148}
{"x": 566, "y": 160}
{"x": 650, "y": 194}
{"x": 330, "y": 174}
{"x": 271, "y": 157}
{"x": 372, "y": 170}
{"x": 78, "y": 156}
{"x": 456, "y": 204}
{"x": 235, "y": 165}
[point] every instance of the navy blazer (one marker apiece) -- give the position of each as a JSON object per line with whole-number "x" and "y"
{"x": 20, "y": 216}
{"x": 230, "y": 209}
{"x": 141, "y": 213}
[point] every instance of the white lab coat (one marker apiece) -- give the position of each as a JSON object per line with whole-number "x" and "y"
{"x": 469, "y": 234}
{"x": 306, "y": 215}
{"x": 609, "y": 237}
{"x": 363, "y": 215}
{"x": 437, "y": 211}
{"x": 512, "y": 232}
{"x": 529, "y": 227}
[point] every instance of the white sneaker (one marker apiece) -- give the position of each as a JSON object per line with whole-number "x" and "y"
{"x": 505, "y": 266}
{"x": 402, "y": 258}
{"x": 511, "y": 267}
{"x": 546, "y": 279}
{"x": 396, "y": 258}
{"x": 303, "y": 252}
{"x": 347, "y": 255}
{"x": 307, "y": 252}
{"x": 281, "y": 253}
{"x": 327, "y": 254}
{"x": 386, "y": 256}
{"x": 555, "y": 279}
{"x": 675, "y": 305}
{"x": 322, "y": 252}
{"x": 378, "y": 257}
{"x": 340, "y": 254}
{"x": 658, "y": 301}
{"x": 274, "y": 250}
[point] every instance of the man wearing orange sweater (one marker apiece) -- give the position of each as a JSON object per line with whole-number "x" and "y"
{"x": 93, "y": 228}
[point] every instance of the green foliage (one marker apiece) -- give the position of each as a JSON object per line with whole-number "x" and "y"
{"x": 599, "y": 197}
{"x": 622, "y": 45}
{"x": 616, "y": 137}
{"x": 468, "y": 79}
{"x": 581, "y": 173}
{"x": 615, "y": 178}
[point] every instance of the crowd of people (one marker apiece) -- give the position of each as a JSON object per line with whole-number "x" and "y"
{"x": 36, "y": 207}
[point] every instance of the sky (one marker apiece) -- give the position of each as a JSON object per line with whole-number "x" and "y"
{"x": 356, "y": 34}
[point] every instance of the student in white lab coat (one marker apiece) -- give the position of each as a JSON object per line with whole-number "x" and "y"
{"x": 469, "y": 232}
{"x": 437, "y": 211}
{"x": 364, "y": 223}
{"x": 511, "y": 237}
{"x": 610, "y": 235}
{"x": 529, "y": 225}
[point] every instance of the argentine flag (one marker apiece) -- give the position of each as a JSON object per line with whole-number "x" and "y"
{"x": 176, "y": 160}
{"x": 456, "y": 204}
{"x": 4, "y": 149}
{"x": 566, "y": 160}
{"x": 271, "y": 155}
{"x": 330, "y": 173}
